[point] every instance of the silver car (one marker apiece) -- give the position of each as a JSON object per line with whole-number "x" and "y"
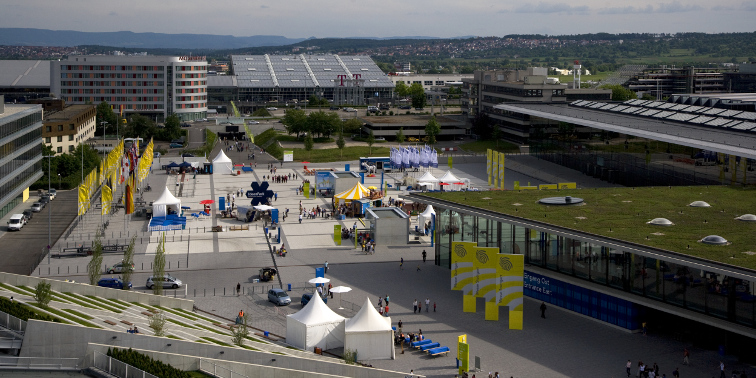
{"x": 169, "y": 282}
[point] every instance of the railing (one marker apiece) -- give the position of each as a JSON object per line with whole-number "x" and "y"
{"x": 112, "y": 366}
{"x": 12, "y": 323}
{"x": 218, "y": 371}
{"x": 39, "y": 363}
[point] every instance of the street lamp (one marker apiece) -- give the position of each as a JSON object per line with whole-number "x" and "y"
{"x": 49, "y": 209}
{"x": 58, "y": 181}
{"x": 103, "y": 123}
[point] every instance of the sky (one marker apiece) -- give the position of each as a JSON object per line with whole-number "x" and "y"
{"x": 385, "y": 18}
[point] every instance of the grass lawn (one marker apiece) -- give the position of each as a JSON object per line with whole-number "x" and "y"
{"x": 66, "y": 316}
{"x": 212, "y": 340}
{"x": 144, "y": 306}
{"x": 174, "y": 312}
{"x": 334, "y": 154}
{"x": 211, "y": 329}
{"x": 480, "y": 146}
{"x": 83, "y": 316}
{"x": 15, "y": 290}
{"x": 194, "y": 315}
{"x": 197, "y": 374}
{"x": 94, "y": 301}
{"x": 178, "y": 323}
{"x": 622, "y": 213}
{"x": 293, "y": 138}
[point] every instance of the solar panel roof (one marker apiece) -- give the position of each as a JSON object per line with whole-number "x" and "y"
{"x": 701, "y": 119}
{"x": 719, "y": 121}
{"x": 745, "y": 126}
{"x": 663, "y": 114}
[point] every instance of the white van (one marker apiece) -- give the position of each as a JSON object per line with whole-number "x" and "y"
{"x": 16, "y": 222}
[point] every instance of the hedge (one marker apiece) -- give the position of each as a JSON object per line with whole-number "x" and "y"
{"x": 22, "y": 312}
{"x": 146, "y": 363}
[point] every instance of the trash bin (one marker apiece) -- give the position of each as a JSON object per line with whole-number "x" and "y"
{"x": 266, "y": 333}
{"x": 318, "y": 350}
{"x": 289, "y": 288}
{"x": 274, "y": 249}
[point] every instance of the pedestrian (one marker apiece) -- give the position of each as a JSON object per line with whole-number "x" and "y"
{"x": 645, "y": 329}
{"x": 543, "y": 310}
{"x": 325, "y": 265}
{"x": 427, "y": 304}
{"x": 425, "y": 254}
{"x": 401, "y": 263}
{"x": 380, "y": 302}
{"x": 11, "y": 299}
{"x": 386, "y": 311}
{"x": 380, "y": 310}
{"x": 238, "y": 288}
{"x": 276, "y": 196}
{"x": 330, "y": 286}
{"x": 419, "y": 307}
{"x": 676, "y": 373}
{"x": 414, "y": 306}
{"x": 686, "y": 355}
{"x": 721, "y": 370}
{"x": 628, "y": 365}
{"x": 411, "y": 374}
{"x": 418, "y": 267}
{"x": 300, "y": 218}
{"x": 400, "y": 325}
{"x": 387, "y": 299}
{"x": 434, "y": 306}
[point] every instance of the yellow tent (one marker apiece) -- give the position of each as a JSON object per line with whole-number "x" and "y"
{"x": 358, "y": 191}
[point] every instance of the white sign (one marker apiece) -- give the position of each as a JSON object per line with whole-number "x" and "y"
{"x": 288, "y": 155}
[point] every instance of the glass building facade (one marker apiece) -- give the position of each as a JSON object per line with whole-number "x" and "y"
{"x": 20, "y": 152}
{"x": 704, "y": 288}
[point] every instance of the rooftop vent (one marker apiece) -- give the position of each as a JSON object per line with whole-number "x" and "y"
{"x": 699, "y": 204}
{"x": 747, "y": 218}
{"x": 661, "y": 222}
{"x": 714, "y": 240}
{"x": 567, "y": 200}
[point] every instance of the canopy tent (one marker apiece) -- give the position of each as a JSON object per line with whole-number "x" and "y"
{"x": 315, "y": 325}
{"x": 370, "y": 334}
{"x": 222, "y": 164}
{"x": 449, "y": 177}
{"x": 166, "y": 201}
{"x": 425, "y": 216}
{"x": 358, "y": 191}
{"x": 173, "y": 164}
{"x": 455, "y": 183}
{"x": 427, "y": 177}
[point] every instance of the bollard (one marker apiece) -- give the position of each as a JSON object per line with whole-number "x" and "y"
{"x": 289, "y": 287}
{"x": 142, "y": 266}
{"x": 77, "y": 269}
{"x": 195, "y": 292}
{"x": 204, "y": 292}
{"x": 169, "y": 265}
{"x": 213, "y": 291}
{"x": 179, "y": 264}
{"x": 224, "y": 291}
{"x": 69, "y": 269}
{"x": 48, "y": 270}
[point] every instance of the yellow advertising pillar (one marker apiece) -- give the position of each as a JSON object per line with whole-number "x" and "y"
{"x": 463, "y": 274}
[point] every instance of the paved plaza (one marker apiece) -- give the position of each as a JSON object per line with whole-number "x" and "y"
{"x": 565, "y": 344}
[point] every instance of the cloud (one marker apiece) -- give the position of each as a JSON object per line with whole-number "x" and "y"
{"x": 673, "y": 7}
{"x": 550, "y": 8}
{"x": 113, "y": 14}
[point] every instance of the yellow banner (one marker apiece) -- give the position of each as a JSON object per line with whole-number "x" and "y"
{"x": 485, "y": 265}
{"x": 107, "y": 199}
{"x": 82, "y": 199}
{"x": 501, "y": 170}
{"x": 510, "y": 270}
{"x": 547, "y": 186}
{"x": 567, "y": 185}
{"x": 488, "y": 165}
{"x": 462, "y": 273}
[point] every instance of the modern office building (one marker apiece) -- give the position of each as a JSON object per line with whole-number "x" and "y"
{"x": 741, "y": 81}
{"x": 155, "y": 86}
{"x": 601, "y": 258}
{"x": 430, "y": 82}
{"x": 23, "y": 80}
{"x": 63, "y": 130}
{"x": 663, "y": 81}
{"x": 20, "y": 152}
{"x": 414, "y": 126}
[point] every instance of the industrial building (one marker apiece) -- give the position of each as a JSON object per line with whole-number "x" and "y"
{"x": 24, "y": 80}
{"x": 663, "y": 81}
{"x": 20, "y": 152}
{"x": 155, "y": 86}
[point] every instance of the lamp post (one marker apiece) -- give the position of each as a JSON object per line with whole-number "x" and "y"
{"x": 49, "y": 209}
{"x": 58, "y": 181}
{"x": 103, "y": 123}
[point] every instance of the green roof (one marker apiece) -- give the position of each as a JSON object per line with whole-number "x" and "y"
{"x": 622, "y": 213}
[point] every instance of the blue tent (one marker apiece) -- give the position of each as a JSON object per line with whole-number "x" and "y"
{"x": 185, "y": 164}
{"x": 173, "y": 165}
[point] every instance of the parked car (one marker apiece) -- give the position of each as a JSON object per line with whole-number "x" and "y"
{"x": 120, "y": 268}
{"x": 176, "y": 145}
{"x": 253, "y": 122}
{"x": 168, "y": 282}
{"x": 53, "y": 193}
{"x": 186, "y": 154}
{"x": 306, "y": 299}
{"x": 412, "y": 139}
{"x": 186, "y": 124}
{"x": 333, "y": 108}
{"x": 44, "y": 200}
{"x": 15, "y": 222}
{"x": 36, "y": 207}
{"x": 419, "y": 109}
{"x": 279, "y": 297}
{"x": 372, "y": 109}
{"x": 28, "y": 214}
{"x": 380, "y": 139}
{"x": 113, "y": 283}
{"x": 350, "y": 109}
{"x": 270, "y": 109}
{"x": 156, "y": 154}
{"x": 406, "y": 107}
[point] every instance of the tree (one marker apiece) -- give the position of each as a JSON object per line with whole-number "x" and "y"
{"x": 43, "y": 294}
{"x": 620, "y": 93}
{"x": 496, "y": 134}
{"x": 172, "y": 127}
{"x": 105, "y": 113}
{"x": 140, "y": 126}
{"x": 295, "y": 121}
{"x": 308, "y": 144}
{"x": 157, "y": 323}
{"x": 158, "y": 267}
{"x": 94, "y": 268}
{"x": 370, "y": 141}
{"x": 352, "y": 126}
{"x": 418, "y": 95}
{"x": 128, "y": 260}
{"x": 240, "y": 332}
{"x": 323, "y": 123}
{"x": 340, "y": 143}
{"x": 400, "y": 135}
{"x": 401, "y": 89}
{"x": 432, "y": 128}
{"x": 261, "y": 112}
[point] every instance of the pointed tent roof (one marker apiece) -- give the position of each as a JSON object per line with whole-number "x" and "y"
{"x": 221, "y": 158}
{"x": 368, "y": 320}
{"x": 316, "y": 312}
{"x": 166, "y": 198}
{"x": 427, "y": 177}
{"x": 449, "y": 177}
{"x": 428, "y": 211}
{"x": 358, "y": 191}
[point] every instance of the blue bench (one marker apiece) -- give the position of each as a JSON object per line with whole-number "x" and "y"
{"x": 247, "y": 169}
{"x": 429, "y": 346}
{"x": 438, "y": 351}
{"x": 418, "y": 344}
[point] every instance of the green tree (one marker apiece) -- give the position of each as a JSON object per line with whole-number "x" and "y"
{"x": 172, "y": 127}
{"x": 261, "y": 112}
{"x": 308, "y": 144}
{"x": 105, "y": 113}
{"x": 128, "y": 260}
{"x": 401, "y": 89}
{"x": 157, "y": 323}
{"x": 340, "y": 143}
{"x": 323, "y": 123}
{"x": 370, "y": 141}
{"x": 295, "y": 121}
{"x": 140, "y": 126}
{"x": 496, "y": 134}
{"x": 43, "y": 294}
{"x": 620, "y": 93}
{"x": 94, "y": 268}
{"x": 240, "y": 332}
{"x": 158, "y": 267}
{"x": 352, "y": 126}
{"x": 418, "y": 95}
{"x": 400, "y": 135}
{"x": 432, "y": 128}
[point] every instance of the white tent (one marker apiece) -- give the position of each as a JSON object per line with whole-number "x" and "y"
{"x": 222, "y": 164}
{"x": 449, "y": 177}
{"x": 370, "y": 334}
{"x": 315, "y": 325}
{"x": 428, "y": 180}
{"x": 167, "y": 200}
{"x": 425, "y": 216}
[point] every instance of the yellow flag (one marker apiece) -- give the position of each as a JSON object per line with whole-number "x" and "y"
{"x": 82, "y": 199}
{"x": 107, "y": 199}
